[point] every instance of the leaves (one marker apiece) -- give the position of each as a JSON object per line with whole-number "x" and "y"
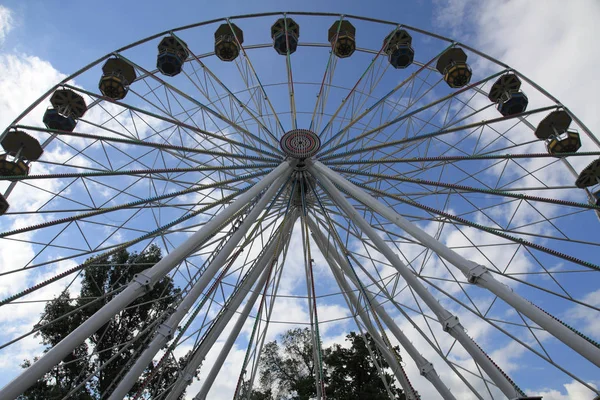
{"x": 287, "y": 370}
{"x": 100, "y": 283}
{"x": 353, "y": 373}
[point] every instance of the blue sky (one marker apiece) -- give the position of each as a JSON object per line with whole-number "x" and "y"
{"x": 45, "y": 40}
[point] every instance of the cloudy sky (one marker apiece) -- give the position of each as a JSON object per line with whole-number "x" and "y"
{"x": 554, "y": 44}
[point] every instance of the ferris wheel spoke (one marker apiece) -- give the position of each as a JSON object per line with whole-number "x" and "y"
{"x": 157, "y": 145}
{"x": 380, "y": 102}
{"x": 324, "y": 89}
{"x": 363, "y": 78}
{"x": 208, "y": 110}
{"x": 131, "y": 204}
{"x": 236, "y": 100}
{"x": 251, "y": 78}
{"x": 290, "y": 77}
{"x": 235, "y": 105}
{"x": 133, "y": 114}
{"x": 408, "y": 149}
{"x": 410, "y": 121}
{"x": 183, "y": 157}
{"x": 460, "y": 189}
{"x": 473, "y": 127}
{"x": 460, "y": 158}
{"x": 358, "y": 99}
{"x": 257, "y": 96}
{"x": 407, "y": 115}
{"x": 211, "y": 137}
{"x": 353, "y": 277}
{"x": 190, "y": 117}
{"x": 100, "y": 173}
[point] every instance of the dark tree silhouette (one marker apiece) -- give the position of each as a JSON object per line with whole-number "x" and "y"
{"x": 353, "y": 374}
{"x": 101, "y": 278}
{"x": 287, "y": 370}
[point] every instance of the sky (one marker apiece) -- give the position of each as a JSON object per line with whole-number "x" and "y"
{"x": 42, "y": 42}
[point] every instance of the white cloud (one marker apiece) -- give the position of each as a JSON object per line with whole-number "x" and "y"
{"x": 515, "y": 32}
{"x": 551, "y": 45}
{"x": 6, "y": 22}
{"x": 574, "y": 390}
{"x": 24, "y": 79}
{"x": 586, "y": 318}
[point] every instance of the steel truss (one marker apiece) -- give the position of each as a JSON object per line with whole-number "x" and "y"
{"x": 420, "y": 206}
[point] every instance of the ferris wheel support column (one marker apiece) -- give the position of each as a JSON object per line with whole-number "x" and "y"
{"x": 329, "y": 251}
{"x": 138, "y": 286}
{"x": 331, "y": 258}
{"x": 449, "y": 322}
{"x": 230, "y": 308}
{"x": 165, "y": 330}
{"x": 477, "y": 274}
{"x": 271, "y": 254}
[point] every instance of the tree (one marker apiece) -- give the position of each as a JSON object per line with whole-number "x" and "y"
{"x": 99, "y": 281}
{"x": 255, "y": 394}
{"x": 353, "y": 374}
{"x": 287, "y": 370}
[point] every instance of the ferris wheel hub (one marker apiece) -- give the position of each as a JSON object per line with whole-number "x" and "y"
{"x": 300, "y": 144}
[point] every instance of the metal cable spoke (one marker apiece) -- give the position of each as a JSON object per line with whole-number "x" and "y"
{"x": 236, "y": 99}
{"x": 426, "y": 182}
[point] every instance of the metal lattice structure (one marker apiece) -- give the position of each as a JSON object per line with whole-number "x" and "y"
{"x": 429, "y": 181}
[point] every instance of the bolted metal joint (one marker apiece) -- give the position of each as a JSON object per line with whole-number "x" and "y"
{"x": 475, "y": 273}
{"x": 450, "y": 323}
{"x": 188, "y": 377}
{"x": 426, "y": 368}
{"x": 144, "y": 281}
{"x": 165, "y": 330}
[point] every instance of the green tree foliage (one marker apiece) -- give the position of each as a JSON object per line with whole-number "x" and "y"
{"x": 99, "y": 283}
{"x": 287, "y": 370}
{"x": 353, "y": 374}
{"x": 290, "y": 366}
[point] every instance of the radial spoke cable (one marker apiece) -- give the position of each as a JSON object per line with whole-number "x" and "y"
{"x": 448, "y": 321}
{"x": 475, "y": 273}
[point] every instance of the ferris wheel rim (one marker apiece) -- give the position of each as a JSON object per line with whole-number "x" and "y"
{"x": 273, "y": 160}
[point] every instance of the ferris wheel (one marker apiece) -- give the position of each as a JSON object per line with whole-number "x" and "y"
{"x": 355, "y": 174}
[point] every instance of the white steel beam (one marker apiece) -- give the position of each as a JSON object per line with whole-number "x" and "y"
{"x": 271, "y": 254}
{"x": 448, "y": 321}
{"x": 165, "y": 331}
{"x": 230, "y": 308}
{"x": 477, "y": 274}
{"x": 329, "y": 251}
{"x": 391, "y": 359}
{"x": 139, "y": 285}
